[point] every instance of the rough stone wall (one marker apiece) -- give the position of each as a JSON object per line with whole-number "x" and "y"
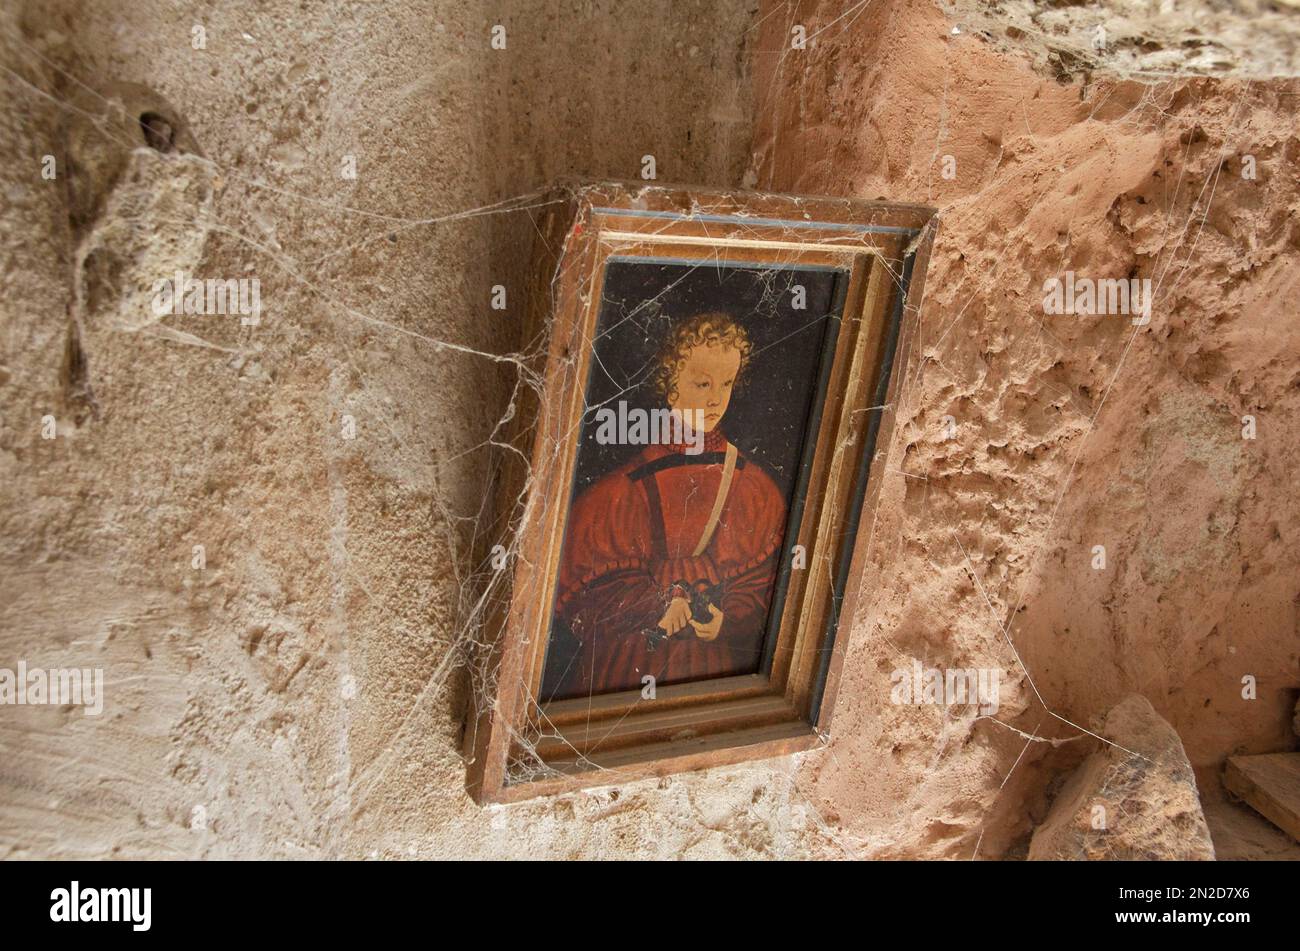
{"x": 300, "y": 696}
{"x": 1070, "y": 431}
{"x": 1148, "y": 39}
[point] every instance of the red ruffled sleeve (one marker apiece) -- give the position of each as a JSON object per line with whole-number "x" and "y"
{"x": 605, "y": 583}
{"x": 746, "y": 551}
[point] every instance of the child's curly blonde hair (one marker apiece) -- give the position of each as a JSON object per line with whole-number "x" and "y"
{"x": 708, "y": 329}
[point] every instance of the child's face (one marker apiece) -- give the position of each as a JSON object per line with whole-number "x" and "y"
{"x": 705, "y": 382}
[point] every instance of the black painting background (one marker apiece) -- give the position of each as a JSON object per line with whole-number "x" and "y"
{"x": 768, "y": 413}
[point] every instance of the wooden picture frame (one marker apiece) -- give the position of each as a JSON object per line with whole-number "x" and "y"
{"x": 519, "y": 746}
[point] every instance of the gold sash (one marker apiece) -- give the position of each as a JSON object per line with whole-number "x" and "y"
{"x": 724, "y": 487}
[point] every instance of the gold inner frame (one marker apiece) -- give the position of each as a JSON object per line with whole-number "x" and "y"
{"x": 612, "y": 729}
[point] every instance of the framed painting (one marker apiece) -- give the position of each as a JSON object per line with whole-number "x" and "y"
{"x": 704, "y": 453}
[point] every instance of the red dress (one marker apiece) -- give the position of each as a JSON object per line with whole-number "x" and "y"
{"x": 630, "y": 544}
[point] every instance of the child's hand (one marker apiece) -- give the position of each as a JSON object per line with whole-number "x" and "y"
{"x": 675, "y": 618}
{"x": 708, "y": 631}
